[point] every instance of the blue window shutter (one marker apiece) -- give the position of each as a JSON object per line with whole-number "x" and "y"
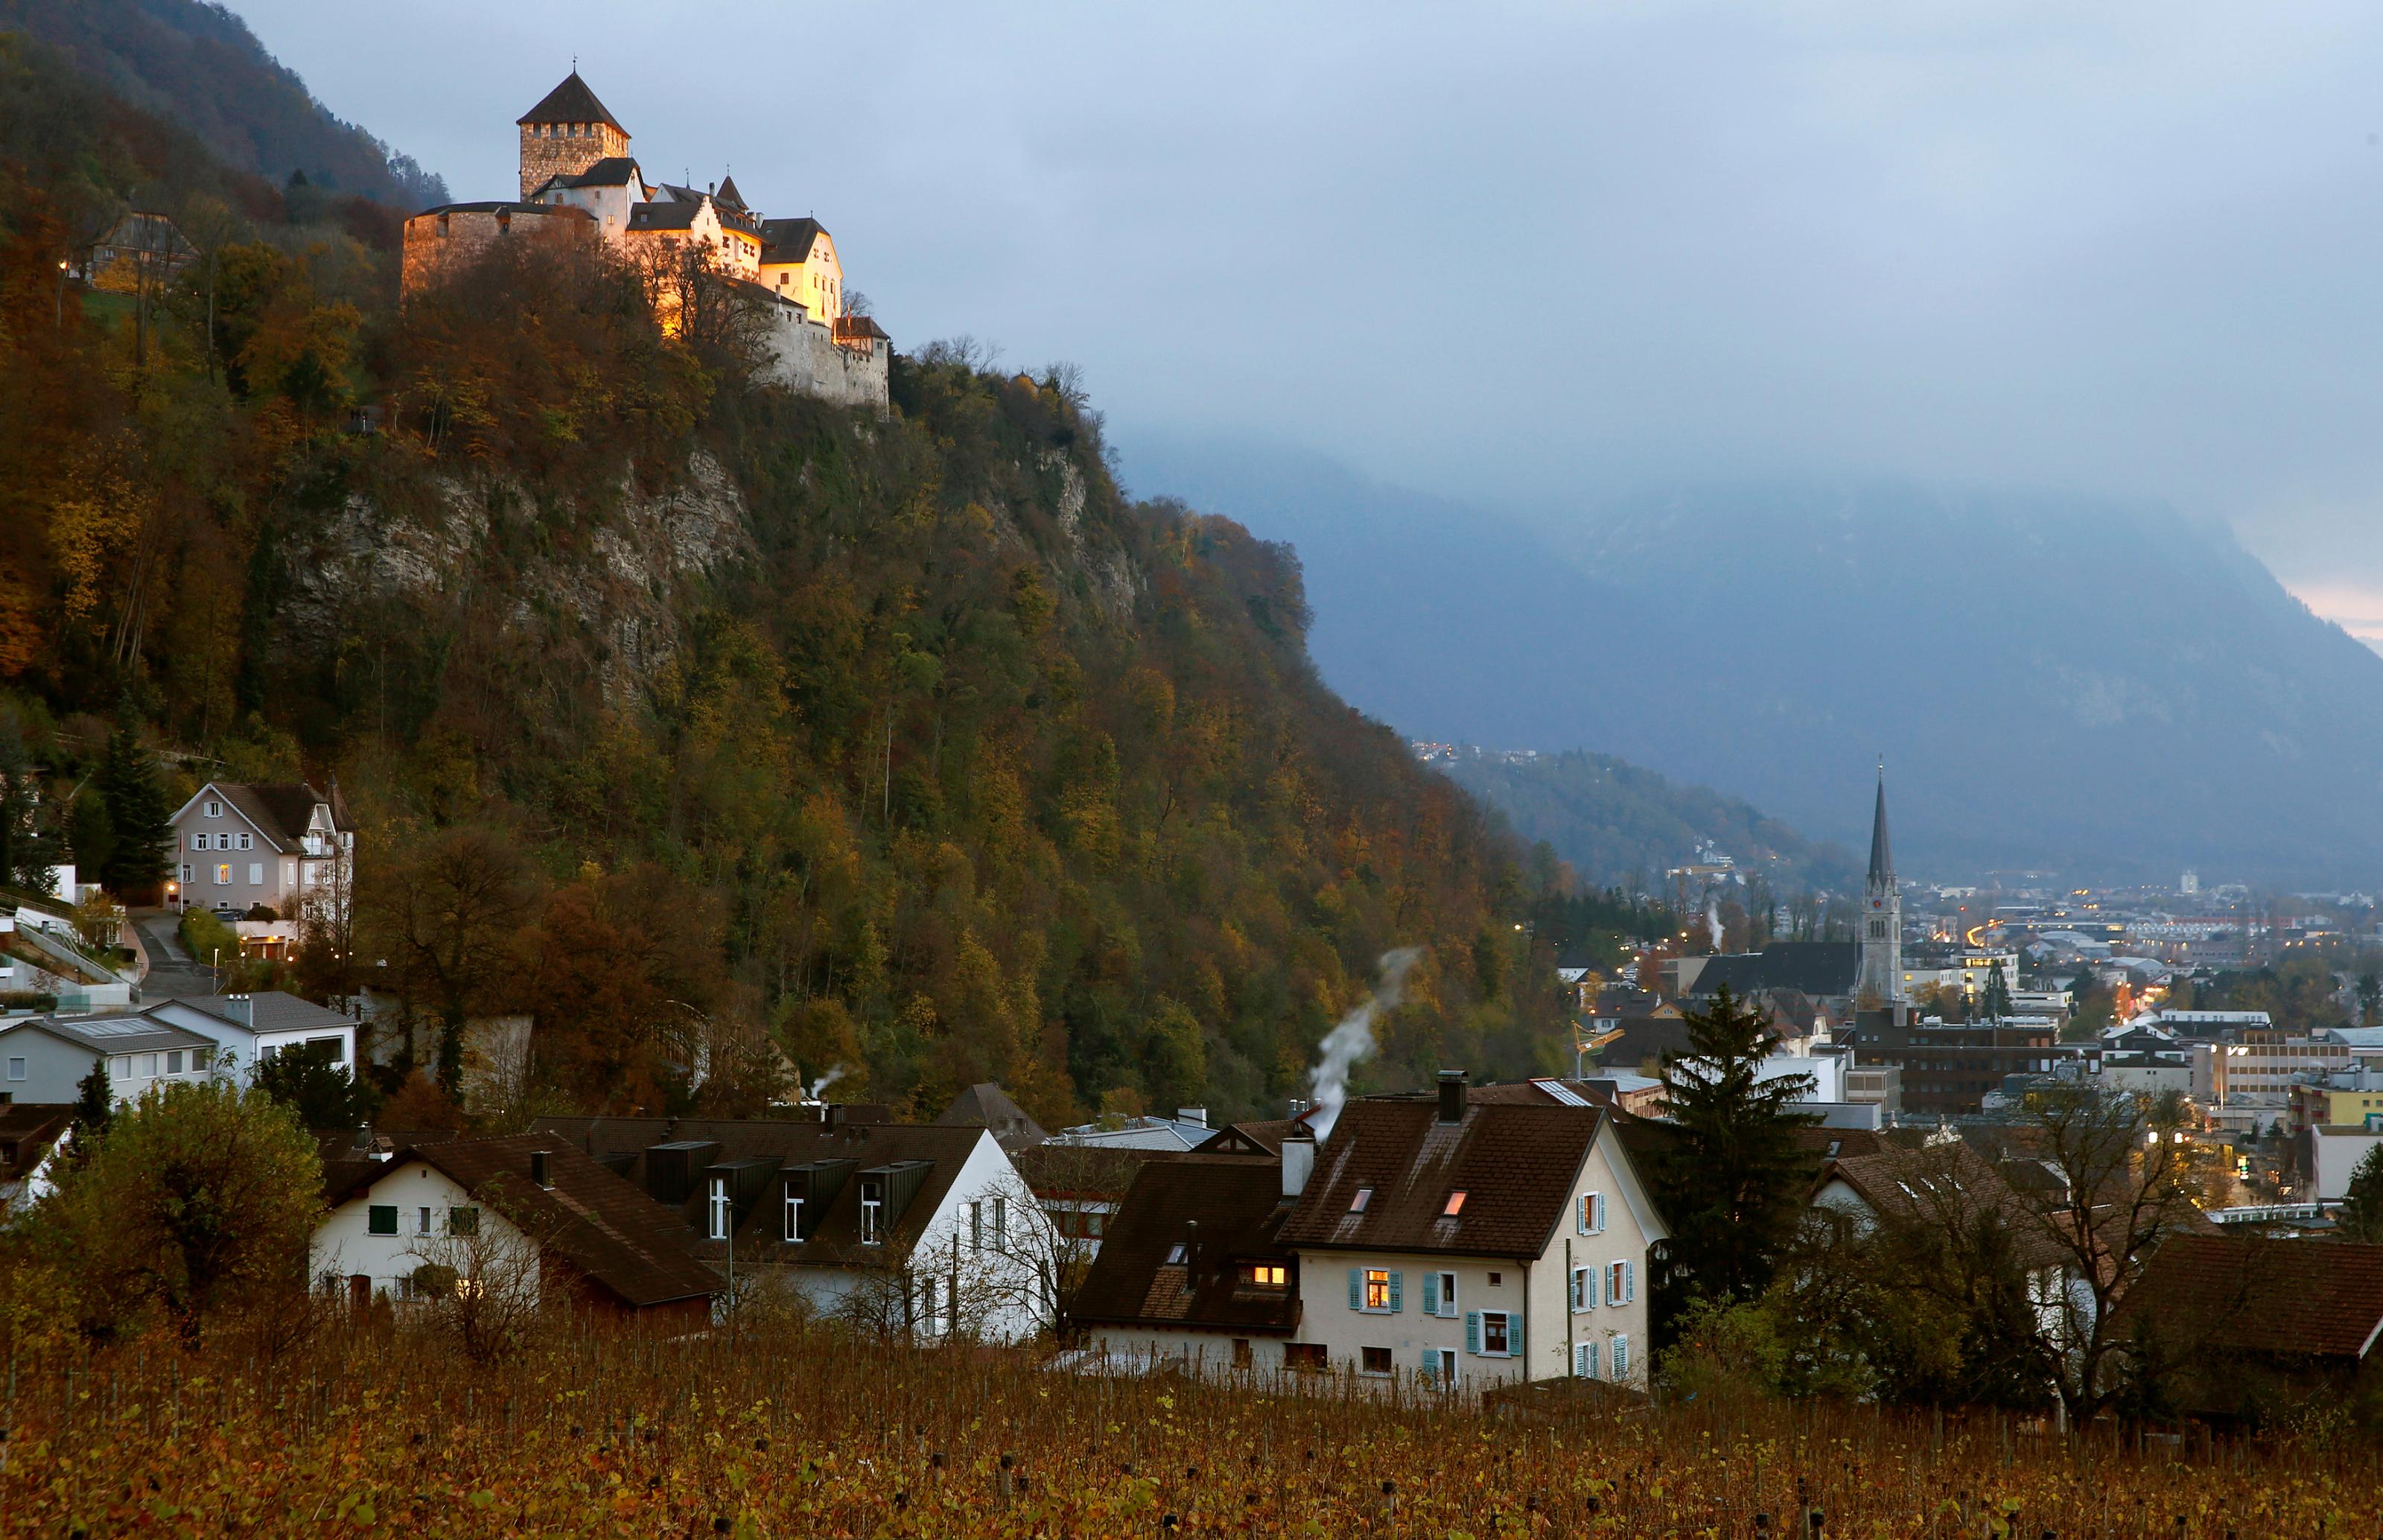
{"x": 1575, "y": 1286}
{"x": 1430, "y": 1365}
{"x": 1600, "y": 1211}
{"x": 1514, "y": 1334}
{"x": 1396, "y": 1276}
{"x": 1473, "y": 1332}
{"x": 1630, "y": 1277}
{"x": 1592, "y": 1287}
{"x": 1357, "y": 1289}
{"x": 1592, "y": 1359}
{"x": 1580, "y": 1220}
{"x": 1431, "y": 1294}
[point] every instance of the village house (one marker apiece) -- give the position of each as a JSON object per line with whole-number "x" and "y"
{"x": 579, "y": 185}
{"x": 1470, "y": 1243}
{"x": 44, "y": 1059}
{"x": 286, "y": 847}
{"x": 245, "y": 1030}
{"x": 908, "y": 1230}
{"x": 1193, "y": 1273}
{"x": 2248, "y": 1329}
{"x": 521, "y": 1216}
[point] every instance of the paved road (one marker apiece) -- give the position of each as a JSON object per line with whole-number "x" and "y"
{"x": 172, "y": 974}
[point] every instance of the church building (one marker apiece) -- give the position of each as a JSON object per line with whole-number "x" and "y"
{"x": 1881, "y": 936}
{"x": 579, "y": 184}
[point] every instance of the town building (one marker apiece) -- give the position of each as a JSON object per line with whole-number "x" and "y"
{"x": 1193, "y": 1273}
{"x": 246, "y": 1029}
{"x": 29, "y": 1132}
{"x": 525, "y": 1219}
{"x": 910, "y": 1231}
{"x": 580, "y": 186}
{"x": 1467, "y": 1244}
{"x": 239, "y": 847}
{"x": 45, "y": 1059}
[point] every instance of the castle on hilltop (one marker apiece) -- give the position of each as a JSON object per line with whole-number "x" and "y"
{"x": 580, "y": 184}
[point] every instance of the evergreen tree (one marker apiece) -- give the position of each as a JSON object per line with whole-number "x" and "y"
{"x": 137, "y": 816}
{"x": 94, "y": 1106}
{"x": 1997, "y": 1002}
{"x": 28, "y": 850}
{"x": 322, "y": 1094}
{"x": 90, "y": 833}
{"x": 2361, "y": 1216}
{"x": 1735, "y": 1177}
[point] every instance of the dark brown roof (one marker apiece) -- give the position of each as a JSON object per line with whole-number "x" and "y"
{"x": 835, "y": 1238}
{"x": 603, "y": 1227}
{"x": 859, "y": 326}
{"x": 729, "y": 196}
{"x": 1516, "y": 1165}
{"x": 989, "y": 1107}
{"x": 611, "y": 171}
{"x": 281, "y": 811}
{"x": 2261, "y": 1295}
{"x": 1644, "y": 1040}
{"x": 674, "y": 215}
{"x": 1236, "y": 1202}
{"x": 555, "y": 211}
{"x": 1081, "y": 1170}
{"x": 1260, "y": 1136}
{"x": 788, "y": 239}
{"x": 570, "y": 102}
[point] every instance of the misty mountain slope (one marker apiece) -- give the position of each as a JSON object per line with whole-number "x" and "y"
{"x": 198, "y": 65}
{"x": 2088, "y": 688}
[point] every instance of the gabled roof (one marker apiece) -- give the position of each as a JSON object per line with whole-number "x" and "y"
{"x": 280, "y": 811}
{"x": 611, "y": 171}
{"x": 1516, "y": 1165}
{"x": 557, "y": 211}
{"x": 788, "y": 239}
{"x": 102, "y": 1035}
{"x": 835, "y": 1234}
{"x": 1814, "y": 968}
{"x": 2261, "y": 1295}
{"x": 570, "y": 102}
{"x": 269, "y": 1010}
{"x": 728, "y": 197}
{"x": 1222, "y": 1211}
{"x": 988, "y": 1106}
{"x": 602, "y": 1226}
{"x": 676, "y": 215}
{"x": 1258, "y": 1137}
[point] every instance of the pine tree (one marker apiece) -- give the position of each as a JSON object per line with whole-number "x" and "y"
{"x": 2361, "y": 1215}
{"x": 139, "y": 818}
{"x": 1998, "y": 996}
{"x": 1733, "y": 1179}
{"x": 94, "y": 1106}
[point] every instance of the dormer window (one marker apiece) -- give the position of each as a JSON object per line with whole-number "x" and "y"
{"x": 1266, "y": 1275}
{"x": 1365, "y": 1196}
{"x": 1454, "y": 1206}
{"x": 873, "y": 1212}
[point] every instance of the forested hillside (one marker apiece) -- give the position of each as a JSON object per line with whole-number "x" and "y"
{"x": 727, "y": 735}
{"x": 1616, "y": 822}
{"x": 198, "y": 65}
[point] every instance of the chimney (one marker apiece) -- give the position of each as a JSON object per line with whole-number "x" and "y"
{"x": 1451, "y": 1095}
{"x": 1192, "y": 1114}
{"x": 242, "y": 1009}
{"x": 827, "y": 1116}
{"x": 537, "y": 1171}
{"x": 1298, "y": 1161}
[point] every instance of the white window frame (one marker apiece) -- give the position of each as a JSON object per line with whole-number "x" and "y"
{"x": 16, "y": 1069}
{"x": 211, "y": 809}
{"x": 791, "y": 1216}
{"x": 716, "y": 1210}
{"x": 1590, "y": 1219}
{"x": 872, "y": 1209}
{"x": 1505, "y": 1319}
{"x": 1365, "y": 1287}
{"x": 256, "y": 874}
{"x": 1584, "y": 1289}
{"x": 243, "y": 838}
{"x": 223, "y": 874}
{"x": 1447, "y": 1295}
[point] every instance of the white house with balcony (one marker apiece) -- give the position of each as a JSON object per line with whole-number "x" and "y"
{"x": 238, "y": 846}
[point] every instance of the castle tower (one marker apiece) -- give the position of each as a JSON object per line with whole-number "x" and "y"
{"x": 1881, "y": 936}
{"x": 565, "y": 134}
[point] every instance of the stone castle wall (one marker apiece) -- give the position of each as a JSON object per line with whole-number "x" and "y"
{"x": 444, "y": 239}
{"x": 807, "y": 358}
{"x": 556, "y": 152}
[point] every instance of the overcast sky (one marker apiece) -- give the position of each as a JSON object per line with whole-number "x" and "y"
{"x": 1518, "y": 253}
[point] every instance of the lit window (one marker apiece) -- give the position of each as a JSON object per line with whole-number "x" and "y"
{"x": 1365, "y": 1196}
{"x": 1266, "y": 1275}
{"x": 1455, "y": 1204}
{"x": 1377, "y": 1289}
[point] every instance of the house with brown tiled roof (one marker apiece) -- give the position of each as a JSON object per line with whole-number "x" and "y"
{"x": 905, "y": 1230}
{"x": 2245, "y": 1329}
{"x": 1194, "y": 1272}
{"x": 1468, "y": 1243}
{"x": 524, "y": 1216}
{"x": 284, "y": 847}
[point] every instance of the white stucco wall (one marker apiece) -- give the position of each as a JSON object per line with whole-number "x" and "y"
{"x": 806, "y": 358}
{"x": 343, "y": 1245}
{"x": 1537, "y": 1288}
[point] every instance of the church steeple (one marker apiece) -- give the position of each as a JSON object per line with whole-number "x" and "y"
{"x": 1882, "y": 859}
{"x": 1881, "y": 936}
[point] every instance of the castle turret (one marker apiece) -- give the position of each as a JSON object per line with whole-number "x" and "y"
{"x": 565, "y": 134}
{"x": 1881, "y": 936}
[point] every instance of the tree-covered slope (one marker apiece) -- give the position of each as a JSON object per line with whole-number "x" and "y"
{"x": 721, "y": 733}
{"x": 198, "y": 65}
{"x": 1615, "y": 822}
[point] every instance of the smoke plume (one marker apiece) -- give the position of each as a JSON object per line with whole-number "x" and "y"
{"x": 1352, "y": 1040}
{"x": 1712, "y": 920}
{"x": 831, "y": 1078}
